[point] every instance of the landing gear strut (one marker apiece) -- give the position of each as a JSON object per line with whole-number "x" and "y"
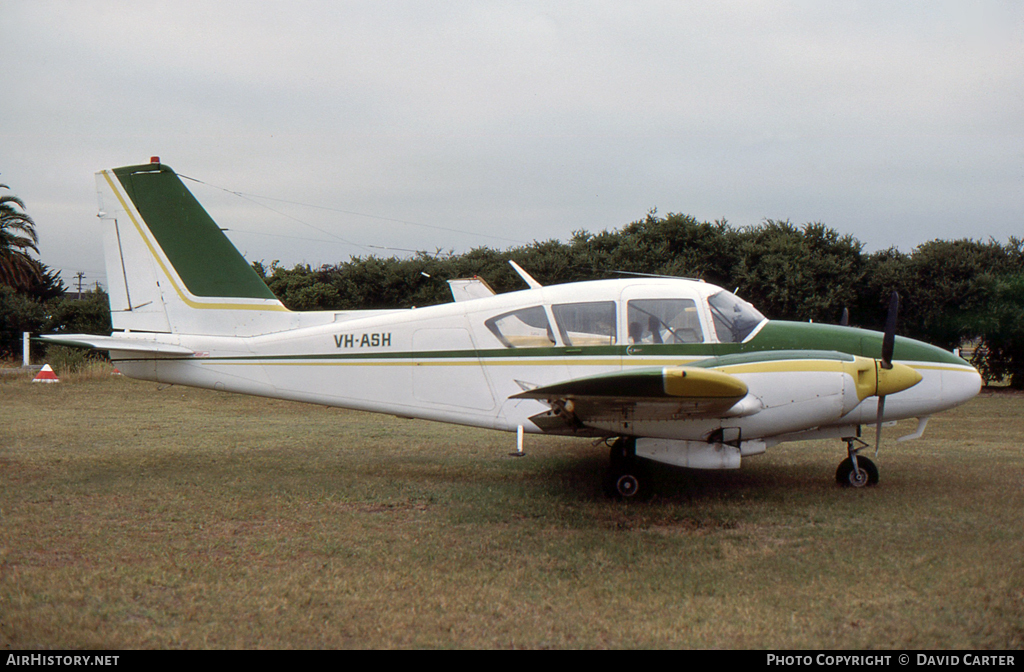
{"x": 627, "y": 474}
{"x": 856, "y": 471}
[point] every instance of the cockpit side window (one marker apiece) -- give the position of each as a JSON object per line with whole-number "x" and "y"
{"x": 734, "y": 318}
{"x": 664, "y": 321}
{"x": 523, "y": 328}
{"x": 590, "y": 323}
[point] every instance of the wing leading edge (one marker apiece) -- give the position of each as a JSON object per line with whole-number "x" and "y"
{"x": 640, "y": 394}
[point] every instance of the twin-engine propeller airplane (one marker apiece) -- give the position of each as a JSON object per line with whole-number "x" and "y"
{"x": 671, "y": 370}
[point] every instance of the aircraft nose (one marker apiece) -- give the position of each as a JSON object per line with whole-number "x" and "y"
{"x": 959, "y": 382}
{"x": 961, "y": 385}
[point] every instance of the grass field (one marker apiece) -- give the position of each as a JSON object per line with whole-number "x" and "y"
{"x": 135, "y": 517}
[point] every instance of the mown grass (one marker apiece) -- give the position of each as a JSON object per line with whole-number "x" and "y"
{"x": 132, "y": 517}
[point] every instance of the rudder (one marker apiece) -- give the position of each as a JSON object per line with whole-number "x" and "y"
{"x": 169, "y": 266}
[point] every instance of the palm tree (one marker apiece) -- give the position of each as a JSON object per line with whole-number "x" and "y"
{"x": 17, "y": 237}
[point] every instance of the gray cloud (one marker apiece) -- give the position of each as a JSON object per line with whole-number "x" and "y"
{"x": 519, "y": 121}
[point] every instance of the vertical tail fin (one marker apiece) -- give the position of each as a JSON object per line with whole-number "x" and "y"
{"x": 169, "y": 266}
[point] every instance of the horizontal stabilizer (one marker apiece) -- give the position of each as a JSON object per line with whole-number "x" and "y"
{"x": 467, "y": 289}
{"x": 114, "y": 343}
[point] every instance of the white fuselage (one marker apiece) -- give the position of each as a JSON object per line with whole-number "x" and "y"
{"x": 443, "y": 363}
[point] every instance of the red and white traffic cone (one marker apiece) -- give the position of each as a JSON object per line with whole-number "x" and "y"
{"x": 46, "y": 375}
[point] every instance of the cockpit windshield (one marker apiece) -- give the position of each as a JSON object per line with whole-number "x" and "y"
{"x": 734, "y": 318}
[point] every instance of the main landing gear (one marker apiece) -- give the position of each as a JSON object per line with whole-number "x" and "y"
{"x": 627, "y": 477}
{"x": 856, "y": 471}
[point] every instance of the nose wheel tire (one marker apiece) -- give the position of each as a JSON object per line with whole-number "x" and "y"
{"x": 866, "y": 473}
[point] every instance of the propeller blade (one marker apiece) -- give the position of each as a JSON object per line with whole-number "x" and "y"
{"x": 889, "y": 340}
{"x": 888, "y": 345}
{"x": 878, "y": 423}
{"x": 844, "y": 321}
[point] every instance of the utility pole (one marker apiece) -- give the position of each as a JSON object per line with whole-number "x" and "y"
{"x": 79, "y": 276}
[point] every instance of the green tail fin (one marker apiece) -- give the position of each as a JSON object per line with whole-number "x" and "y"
{"x": 201, "y": 254}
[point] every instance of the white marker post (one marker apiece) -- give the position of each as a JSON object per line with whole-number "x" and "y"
{"x": 25, "y": 360}
{"x": 519, "y": 443}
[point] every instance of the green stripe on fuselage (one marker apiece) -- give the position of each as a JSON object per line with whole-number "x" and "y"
{"x": 202, "y": 255}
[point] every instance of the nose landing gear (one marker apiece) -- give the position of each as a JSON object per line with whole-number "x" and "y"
{"x": 856, "y": 471}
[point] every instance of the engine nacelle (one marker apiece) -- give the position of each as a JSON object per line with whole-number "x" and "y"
{"x": 697, "y": 454}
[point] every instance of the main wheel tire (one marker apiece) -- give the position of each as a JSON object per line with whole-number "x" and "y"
{"x": 627, "y": 480}
{"x": 866, "y": 474}
{"x": 627, "y": 486}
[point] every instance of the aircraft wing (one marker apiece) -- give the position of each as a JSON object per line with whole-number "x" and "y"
{"x": 115, "y": 343}
{"x": 639, "y": 394}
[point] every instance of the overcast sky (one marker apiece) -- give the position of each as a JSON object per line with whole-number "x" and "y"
{"x": 357, "y": 128}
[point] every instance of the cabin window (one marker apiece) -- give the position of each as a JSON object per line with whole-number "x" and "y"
{"x": 664, "y": 321}
{"x": 524, "y": 328}
{"x": 591, "y": 323}
{"x": 734, "y": 318}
